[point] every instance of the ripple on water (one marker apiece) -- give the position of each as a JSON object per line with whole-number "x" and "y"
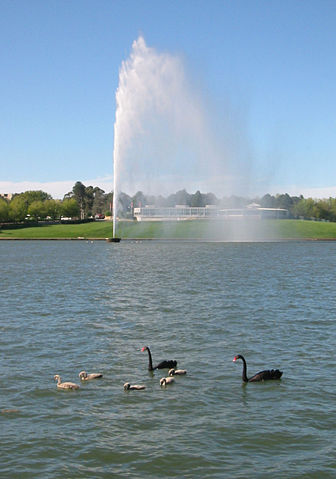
{"x": 200, "y": 304}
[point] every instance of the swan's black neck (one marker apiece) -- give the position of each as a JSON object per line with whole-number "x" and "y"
{"x": 150, "y": 363}
{"x": 244, "y": 375}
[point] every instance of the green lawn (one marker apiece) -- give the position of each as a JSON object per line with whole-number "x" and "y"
{"x": 287, "y": 229}
{"x": 196, "y": 229}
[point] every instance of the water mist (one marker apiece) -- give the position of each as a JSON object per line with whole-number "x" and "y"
{"x": 161, "y": 138}
{"x": 165, "y": 137}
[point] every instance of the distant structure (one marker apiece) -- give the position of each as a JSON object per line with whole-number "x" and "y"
{"x": 7, "y": 196}
{"x": 184, "y": 212}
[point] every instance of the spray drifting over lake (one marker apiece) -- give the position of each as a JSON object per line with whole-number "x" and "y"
{"x": 161, "y": 137}
{"x": 166, "y": 138}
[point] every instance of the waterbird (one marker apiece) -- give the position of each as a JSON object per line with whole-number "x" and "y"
{"x": 167, "y": 364}
{"x": 66, "y": 385}
{"x": 166, "y": 381}
{"x": 138, "y": 387}
{"x": 84, "y": 376}
{"x": 176, "y": 372}
{"x": 265, "y": 375}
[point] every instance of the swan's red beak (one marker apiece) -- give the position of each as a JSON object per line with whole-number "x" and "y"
{"x": 143, "y": 349}
{"x": 234, "y": 359}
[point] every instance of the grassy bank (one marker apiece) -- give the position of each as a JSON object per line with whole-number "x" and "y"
{"x": 204, "y": 230}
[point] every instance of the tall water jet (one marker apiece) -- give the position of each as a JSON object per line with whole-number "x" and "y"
{"x": 165, "y": 137}
{"x": 115, "y": 182}
{"x": 160, "y": 133}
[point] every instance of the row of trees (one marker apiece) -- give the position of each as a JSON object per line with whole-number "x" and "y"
{"x": 297, "y": 206}
{"x": 36, "y": 205}
{"x": 91, "y": 200}
{"x": 315, "y": 209}
{"x": 87, "y": 201}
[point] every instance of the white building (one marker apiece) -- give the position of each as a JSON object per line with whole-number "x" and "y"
{"x": 183, "y": 212}
{"x": 6, "y": 196}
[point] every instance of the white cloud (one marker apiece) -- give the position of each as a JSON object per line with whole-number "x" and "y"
{"x": 166, "y": 185}
{"x": 306, "y": 191}
{"x": 57, "y": 189}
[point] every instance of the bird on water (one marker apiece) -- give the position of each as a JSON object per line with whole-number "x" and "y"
{"x": 176, "y": 372}
{"x": 84, "y": 376}
{"x": 167, "y": 364}
{"x": 166, "y": 381}
{"x": 137, "y": 387}
{"x": 265, "y": 375}
{"x": 66, "y": 385}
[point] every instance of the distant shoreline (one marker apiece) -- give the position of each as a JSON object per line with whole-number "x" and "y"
{"x": 181, "y": 240}
{"x": 189, "y": 231}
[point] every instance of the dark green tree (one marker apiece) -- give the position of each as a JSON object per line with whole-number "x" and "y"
{"x": 79, "y": 193}
{"x": 70, "y": 208}
{"x": 304, "y": 208}
{"x": 125, "y": 202}
{"x": 108, "y": 206}
{"x": 4, "y": 210}
{"x": 210, "y": 199}
{"x": 53, "y": 209}
{"x": 171, "y": 201}
{"x": 182, "y": 198}
{"x": 197, "y": 199}
{"x": 323, "y": 210}
{"x": 88, "y": 200}
{"x": 99, "y": 201}
{"x": 284, "y": 201}
{"x": 332, "y": 209}
{"x": 268, "y": 201}
{"x": 33, "y": 195}
{"x": 37, "y": 210}
{"x": 17, "y": 209}
{"x": 139, "y": 199}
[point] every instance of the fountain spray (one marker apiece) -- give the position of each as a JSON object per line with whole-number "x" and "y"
{"x": 160, "y": 131}
{"x": 165, "y": 136}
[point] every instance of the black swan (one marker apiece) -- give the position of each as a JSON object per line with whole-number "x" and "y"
{"x": 261, "y": 376}
{"x": 162, "y": 365}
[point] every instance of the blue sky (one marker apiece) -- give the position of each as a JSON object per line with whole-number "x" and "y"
{"x": 268, "y": 67}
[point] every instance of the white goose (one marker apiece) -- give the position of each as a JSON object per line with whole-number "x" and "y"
{"x": 66, "y": 385}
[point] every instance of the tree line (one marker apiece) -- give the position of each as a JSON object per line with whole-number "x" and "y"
{"x": 36, "y": 205}
{"x": 84, "y": 202}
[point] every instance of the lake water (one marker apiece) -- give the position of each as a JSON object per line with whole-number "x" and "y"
{"x": 68, "y": 306}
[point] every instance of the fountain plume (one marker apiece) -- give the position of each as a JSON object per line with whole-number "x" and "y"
{"x": 160, "y": 133}
{"x": 166, "y": 139}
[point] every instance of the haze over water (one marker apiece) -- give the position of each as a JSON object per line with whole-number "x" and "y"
{"x": 68, "y": 306}
{"x": 165, "y": 136}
